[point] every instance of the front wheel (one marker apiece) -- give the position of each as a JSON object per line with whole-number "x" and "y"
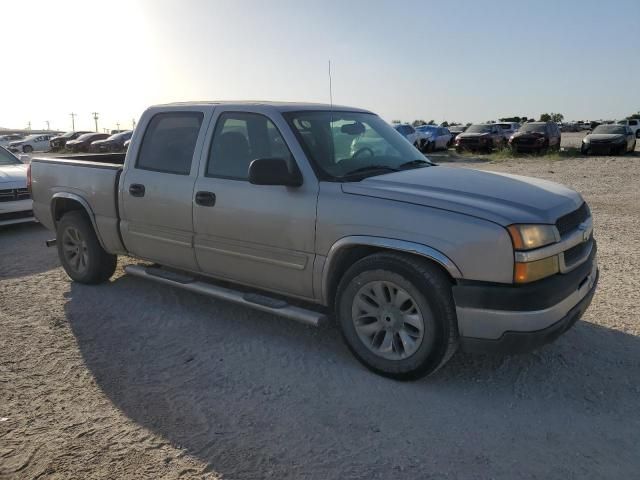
{"x": 80, "y": 252}
{"x": 397, "y": 316}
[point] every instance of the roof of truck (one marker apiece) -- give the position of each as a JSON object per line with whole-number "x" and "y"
{"x": 281, "y": 106}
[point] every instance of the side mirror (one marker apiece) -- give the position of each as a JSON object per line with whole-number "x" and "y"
{"x": 273, "y": 171}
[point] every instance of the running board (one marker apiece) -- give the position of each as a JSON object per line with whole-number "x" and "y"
{"x": 251, "y": 300}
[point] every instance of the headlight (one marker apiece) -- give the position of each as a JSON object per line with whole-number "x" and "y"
{"x": 541, "y": 140}
{"x": 527, "y": 237}
{"x": 619, "y": 140}
{"x": 586, "y": 140}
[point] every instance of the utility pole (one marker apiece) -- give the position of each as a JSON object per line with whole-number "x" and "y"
{"x": 73, "y": 122}
{"x": 47, "y": 122}
{"x": 29, "y": 125}
{"x": 117, "y": 125}
{"x": 133, "y": 124}
{"x": 95, "y": 118}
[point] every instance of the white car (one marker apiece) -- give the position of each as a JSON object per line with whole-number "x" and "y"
{"x": 633, "y": 124}
{"x": 509, "y": 128}
{"x": 15, "y": 200}
{"x": 408, "y": 132}
{"x": 32, "y": 143}
{"x": 5, "y": 140}
{"x": 432, "y": 137}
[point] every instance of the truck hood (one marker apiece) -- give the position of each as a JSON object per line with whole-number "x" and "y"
{"x": 13, "y": 176}
{"x": 498, "y": 197}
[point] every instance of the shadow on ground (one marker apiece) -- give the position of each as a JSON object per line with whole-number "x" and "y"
{"x": 22, "y": 239}
{"x": 255, "y": 396}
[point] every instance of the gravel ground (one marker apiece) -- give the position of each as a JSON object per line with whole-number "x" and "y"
{"x": 135, "y": 380}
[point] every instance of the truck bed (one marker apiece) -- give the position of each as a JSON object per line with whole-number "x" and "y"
{"x": 91, "y": 180}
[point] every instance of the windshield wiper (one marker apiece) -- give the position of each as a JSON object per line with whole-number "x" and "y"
{"x": 370, "y": 169}
{"x": 415, "y": 164}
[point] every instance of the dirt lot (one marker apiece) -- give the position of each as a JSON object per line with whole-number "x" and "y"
{"x": 135, "y": 380}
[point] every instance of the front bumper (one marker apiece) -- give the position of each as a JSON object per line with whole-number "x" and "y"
{"x": 19, "y": 211}
{"x": 518, "y": 319}
{"x": 605, "y": 148}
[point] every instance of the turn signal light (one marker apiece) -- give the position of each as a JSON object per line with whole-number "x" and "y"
{"x": 532, "y": 271}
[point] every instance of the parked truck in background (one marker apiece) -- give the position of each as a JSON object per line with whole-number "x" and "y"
{"x": 412, "y": 260}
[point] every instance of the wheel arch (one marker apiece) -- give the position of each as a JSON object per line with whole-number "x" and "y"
{"x": 64, "y": 202}
{"x": 348, "y": 250}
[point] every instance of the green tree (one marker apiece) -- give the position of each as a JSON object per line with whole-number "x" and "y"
{"x": 431, "y": 122}
{"x": 545, "y": 117}
{"x": 417, "y": 123}
{"x": 557, "y": 117}
{"x": 444, "y": 124}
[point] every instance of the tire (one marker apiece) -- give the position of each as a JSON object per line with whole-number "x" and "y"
{"x": 91, "y": 264}
{"x": 638, "y": 133}
{"x": 584, "y": 150}
{"x": 459, "y": 149}
{"x": 410, "y": 354}
{"x": 27, "y": 149}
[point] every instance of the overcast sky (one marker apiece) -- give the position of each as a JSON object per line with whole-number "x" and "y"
{"x": 456, "y": 61}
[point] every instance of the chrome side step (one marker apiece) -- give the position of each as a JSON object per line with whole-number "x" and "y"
{"x": 251, "y": 300}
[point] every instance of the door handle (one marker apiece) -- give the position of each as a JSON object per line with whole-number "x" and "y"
{"x": 206, "y": 199}
{"x": 136, "y": 190}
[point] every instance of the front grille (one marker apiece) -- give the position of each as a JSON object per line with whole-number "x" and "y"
{"x": 576, "y": 252}
{"x": 16, "y": 215}
{"x": 13, "y": 194}
{"x": 570, "y": 221}
{"x": 524, "y": 141}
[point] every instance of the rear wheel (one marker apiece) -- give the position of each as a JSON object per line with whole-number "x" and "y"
{"x": 27, "y": 149}
{"x": 397, "y": 316}
{"x": 80, "y": 252}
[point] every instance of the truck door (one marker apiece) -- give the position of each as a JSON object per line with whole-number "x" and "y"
{"x": 157, "y": 188}
{"x": 259, "y": 235}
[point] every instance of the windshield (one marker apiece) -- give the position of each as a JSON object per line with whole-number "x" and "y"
{"x": 534, "y": 127}
{"x": 86, "y": 136}
{"x": 426, "y": 128}
{"x": 478, "y": 129}
{"x": 339, "y": 143}
{"x": 7, "y": 158}
{"x": 610, "y": 129}
{"x": 120, "y": 136}
{"x": 68, "y": 134}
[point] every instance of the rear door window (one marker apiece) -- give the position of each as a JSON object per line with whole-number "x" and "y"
{"x": 169, "y": 142}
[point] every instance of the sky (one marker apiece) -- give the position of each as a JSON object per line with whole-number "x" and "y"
{"x": 465, "y": 61}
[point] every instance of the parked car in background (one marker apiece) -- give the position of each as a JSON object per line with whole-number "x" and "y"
{"x": 412, "y": 259}
{"x": 633, "y": 124}
{"x": 59, "y": 142}
{"x": 481, "y": 137}
{"x": 536, "y": 137}
{"x": 508, "y": 129}
{"x": 15, "y": 199}
{"x": 114, "y": 143}
{"x": 32, "y": 143}
{"x": 431, "y": 137}
{"x": 455, "y": 131}
{"x": 5, "y": 140}
{"x": 609, "y": 139}
{"x": 408, "y": 132}
{"x": 82, "y": 143}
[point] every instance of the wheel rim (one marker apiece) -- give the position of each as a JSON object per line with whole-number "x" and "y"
{"x": 388, "y": 320}
{"x": 74, "y": 249}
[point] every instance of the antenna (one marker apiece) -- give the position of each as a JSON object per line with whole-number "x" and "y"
{"x": 330, "y": 89}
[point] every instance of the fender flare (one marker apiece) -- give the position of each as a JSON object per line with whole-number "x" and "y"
{"x": 386, "y": 243}
{"x": 85, "y": 205}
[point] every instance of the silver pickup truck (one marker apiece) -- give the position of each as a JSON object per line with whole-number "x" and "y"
{"x": 316, "y": 211}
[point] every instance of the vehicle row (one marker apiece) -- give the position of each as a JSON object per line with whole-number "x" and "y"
{"x": 77, "y": 141}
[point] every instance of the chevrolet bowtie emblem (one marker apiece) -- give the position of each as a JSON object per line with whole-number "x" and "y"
{"x": 585, "y": 231}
